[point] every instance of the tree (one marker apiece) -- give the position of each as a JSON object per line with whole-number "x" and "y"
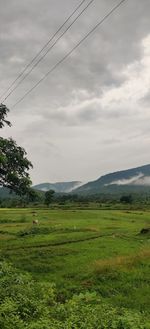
{"x": 14, "y": 165}
{"x": 3, "y": 113}
{"x": 49, "y": 196}
{"x": 126, "y": 199}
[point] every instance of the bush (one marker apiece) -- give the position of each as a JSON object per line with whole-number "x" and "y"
{"x": 25, "y": 303}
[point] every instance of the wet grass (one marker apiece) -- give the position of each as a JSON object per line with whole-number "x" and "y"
{"x": 94, "y": 250}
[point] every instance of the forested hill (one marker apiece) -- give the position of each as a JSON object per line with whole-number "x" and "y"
{"x": 131, "y": 180}
{"x": 136, "y": 180}
{"x": 63, "y": 187}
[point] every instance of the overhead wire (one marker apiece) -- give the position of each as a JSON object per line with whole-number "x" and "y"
{"x": 48, "y": 50}
{"x": 39, "y": 53}
{"x": 70, "y": 52}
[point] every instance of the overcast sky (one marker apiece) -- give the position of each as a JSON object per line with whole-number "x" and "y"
{"x": 91, "y": 116}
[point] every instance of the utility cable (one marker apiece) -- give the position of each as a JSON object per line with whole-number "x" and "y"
{"x": 48, "y": 50}
{"x": 70, "y": 52}
{"x": 40, "y": 52}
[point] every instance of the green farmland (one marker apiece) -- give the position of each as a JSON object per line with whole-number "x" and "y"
{"x": 99, "y": 252}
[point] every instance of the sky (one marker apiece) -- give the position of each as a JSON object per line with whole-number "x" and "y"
{"x": 91, "y": 116}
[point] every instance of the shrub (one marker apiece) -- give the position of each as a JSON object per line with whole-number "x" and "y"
{"x": 25, "y": 303}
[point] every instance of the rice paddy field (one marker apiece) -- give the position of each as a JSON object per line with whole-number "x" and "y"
{"x": 81, "y": 251}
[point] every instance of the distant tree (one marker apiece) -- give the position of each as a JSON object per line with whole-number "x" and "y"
{"x": 14, "y": 165}
{"x": 3, "y": 114}
{"x": 49, "y": 196}
{"x": 126, "y": 199}
{"x": 33, "y": 195}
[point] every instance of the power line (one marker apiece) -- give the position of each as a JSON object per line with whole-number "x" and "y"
{"x": 40, "y": 52}
{"x": 48, "y": 50}
{"x": 70, "y": 52}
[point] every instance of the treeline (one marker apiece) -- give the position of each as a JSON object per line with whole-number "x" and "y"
{"x": 50, "y": 199}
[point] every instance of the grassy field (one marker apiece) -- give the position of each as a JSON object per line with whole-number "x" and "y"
{"x": 80, "y": 250}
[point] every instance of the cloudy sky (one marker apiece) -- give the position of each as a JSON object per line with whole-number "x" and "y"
{"x": 91, "y": 116}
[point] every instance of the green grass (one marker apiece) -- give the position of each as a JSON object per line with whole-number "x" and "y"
{"x": 80, "y": 250}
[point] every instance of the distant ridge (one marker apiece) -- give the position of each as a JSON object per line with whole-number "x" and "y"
{"x": 60, "y": 187}
{"x": 135, "y": 180}
{"x": 130, "y": 180}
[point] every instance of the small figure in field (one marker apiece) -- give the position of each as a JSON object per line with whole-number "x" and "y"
{"x": 35, "y": 222}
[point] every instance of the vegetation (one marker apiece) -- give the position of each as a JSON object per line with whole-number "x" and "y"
{"x": 3, "y": 113}
{"x": 49, "y": 197}
{"x": 14, "y": 165}
{"x": 75, "y": 269}
{"x": 126, "y": 199}
{"x": 129, "y": 181}
{"x": 84, "y": 264}
{"x": 28, "y": 304}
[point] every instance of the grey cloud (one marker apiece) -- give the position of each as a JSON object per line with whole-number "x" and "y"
{"x": 139, "y": 180}
{"x": 114, "y": 45}
{"x": 146, "y": 100}
{"x": 59, "y": 108}
{"x": 89, "y": 115}
{"x": 111, "y": 141}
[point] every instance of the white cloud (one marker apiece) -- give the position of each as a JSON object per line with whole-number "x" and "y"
{"x": 130, "y": 181}
{"x": 89, "y": 117}
{"x": 138, "y": 180}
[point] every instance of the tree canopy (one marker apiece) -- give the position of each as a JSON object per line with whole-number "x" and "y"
{"x": 3, "y": 113}
{"x": 14, "y": 165}
{"x": 126, "y": 199}
{"x": 49, "y": 196}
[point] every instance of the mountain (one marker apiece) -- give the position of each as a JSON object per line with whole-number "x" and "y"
{"x": 64, "y": 187}
{"x": 136, "y": 180}
{"x": 5, "y": 193}
{"x": 132, "y": 180}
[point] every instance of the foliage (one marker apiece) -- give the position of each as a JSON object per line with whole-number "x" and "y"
{"x": 25, "y": 303}
{"x": 14, "y": 165}
{"x": 82, "y": 250}
{"x": 21, "y": 300}
{"x": 49, "y": 196}
{"x": 126, "y": 199}
{"x": 3, "y": 113}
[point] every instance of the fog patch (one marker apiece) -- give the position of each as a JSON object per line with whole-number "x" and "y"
{"x": 144, "y": 181}
{"x": 138, "y": 180}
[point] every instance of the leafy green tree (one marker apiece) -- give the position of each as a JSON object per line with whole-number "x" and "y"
{"x": 126, "y": 199}
{"x": 3, "y": 113}
{"x": 14, "y": 165}
{"x": 49, "y": 196}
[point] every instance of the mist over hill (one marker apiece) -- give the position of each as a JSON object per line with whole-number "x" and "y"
{"x": 59, "y": 187}
{"x": 133, "y": 180}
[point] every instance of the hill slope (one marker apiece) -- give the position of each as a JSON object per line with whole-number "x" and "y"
{"x": 131, "y": 180}
{"x": 64, "y": 187}
{"x": 5, "y": 193}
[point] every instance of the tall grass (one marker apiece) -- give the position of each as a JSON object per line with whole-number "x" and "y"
{"x": 104, "y": 266}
